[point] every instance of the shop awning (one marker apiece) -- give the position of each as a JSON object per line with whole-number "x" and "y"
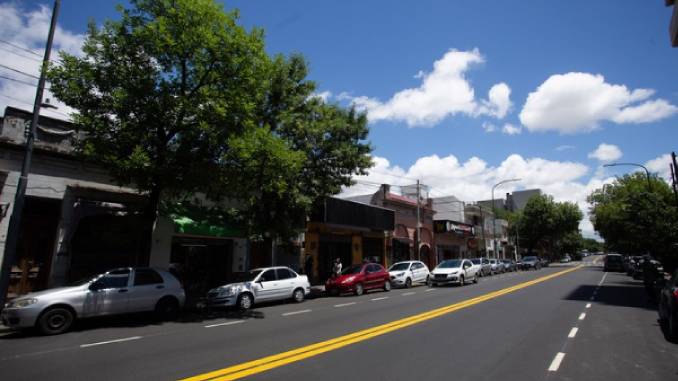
{"x": 186, "y": 225}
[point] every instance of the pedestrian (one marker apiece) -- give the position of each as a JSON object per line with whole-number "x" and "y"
{"x": 336, "y": 267}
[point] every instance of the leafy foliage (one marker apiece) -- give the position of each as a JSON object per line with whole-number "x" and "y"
{"x": 634, "y": 219}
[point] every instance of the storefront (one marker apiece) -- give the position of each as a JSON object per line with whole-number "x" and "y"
{"x": 347, "y": 230}
{"x": 453, "y": 239}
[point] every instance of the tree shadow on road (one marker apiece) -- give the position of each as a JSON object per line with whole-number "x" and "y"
{"x": 621, "y": 294}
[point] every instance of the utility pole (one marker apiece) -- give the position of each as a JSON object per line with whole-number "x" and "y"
{"x": 20, "y": 196}
{"x": 418, "y": 223}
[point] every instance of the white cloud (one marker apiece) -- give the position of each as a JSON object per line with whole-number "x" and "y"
{"x": 510, "y": 129}
{"x": 28, "y": 29}
{"x": 564, "y": 148}
{"x": 443, "y": 92}
{"x": 498, "y": 101}
{"x": 606, "y": 153}
{"x": 661, "y": 167}
{"x": 489, "y": 127}
{"x": 473, "y": 179}
{"x": 578, "y": 102}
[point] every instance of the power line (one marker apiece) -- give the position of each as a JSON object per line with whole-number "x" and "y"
{"x": 20, "y": 47}
{"x": 20, "y": 55}
{"x": 18, "y": 80}
{"x": 19, "y": 71}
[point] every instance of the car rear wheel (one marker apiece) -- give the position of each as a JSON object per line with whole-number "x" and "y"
{"x": 408, "y": 283}
{"x": 387, "y": 285}
{"x": 475, "y": 278}
{"x": 245, "y": 301}
{"x": 55, "y": 321}
{"x": 167, "y": 308}
{"x": 359, "y": 289}
{"x": 298, "y": 295}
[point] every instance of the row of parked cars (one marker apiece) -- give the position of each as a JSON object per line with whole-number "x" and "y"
{"x": 128, "y": 290}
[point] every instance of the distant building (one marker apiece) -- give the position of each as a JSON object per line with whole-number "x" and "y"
{"x": 513, "y": 202}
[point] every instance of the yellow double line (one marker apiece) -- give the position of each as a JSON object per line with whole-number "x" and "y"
{"x": 270, "y": 362}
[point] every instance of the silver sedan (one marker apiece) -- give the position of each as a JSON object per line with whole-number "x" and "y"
{"x": 118, "y": 291}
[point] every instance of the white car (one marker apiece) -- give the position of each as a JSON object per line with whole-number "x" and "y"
{"x": 458, "y": 271}
{"x": 406, "y": 273}
{"x": 261, "y": 285}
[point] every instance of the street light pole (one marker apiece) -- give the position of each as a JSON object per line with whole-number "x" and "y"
{"x": 494, "y": 216}
{"x": 647, "y": 173}
{"x": 19, "y": 198}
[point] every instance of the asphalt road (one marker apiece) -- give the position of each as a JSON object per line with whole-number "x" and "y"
{"x": 580, "y": 325}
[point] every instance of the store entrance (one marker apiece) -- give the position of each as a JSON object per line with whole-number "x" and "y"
{"x": 201, "y": 264}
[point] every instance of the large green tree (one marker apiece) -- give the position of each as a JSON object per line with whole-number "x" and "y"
{"x": 176, "y": 98}
{"x": 635, "y": 218}
{"x": 548, "y": 226}
{"x": 160, "y": 90}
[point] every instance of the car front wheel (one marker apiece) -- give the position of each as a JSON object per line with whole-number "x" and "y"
{"x": 245, "y": 302}
{"x": 55, "y": 321}
{"x": 359, "y": 289}
{"x": 462, "y": 281}
{"x": 408, "y": 283}
{"x": 298, "y": 295}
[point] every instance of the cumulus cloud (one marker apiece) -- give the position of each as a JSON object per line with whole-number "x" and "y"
{"x": 510, "y": 129}
{"x": 606, "y": 153}
{"x": 443, "y": 92}
{"x": 324, "y": 95}
{"x": 472, "y": 180}
{"x": 28, "y": 30}
{"x": 660, "y": 166}
{"x": 578, "y": 102}
{"x": 489, "y": 127}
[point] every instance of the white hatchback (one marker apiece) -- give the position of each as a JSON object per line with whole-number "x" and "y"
{"x": 406, "y": 273}
{"x": 457, "y": 271}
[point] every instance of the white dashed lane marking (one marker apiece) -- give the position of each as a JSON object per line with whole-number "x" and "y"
{"x": 408, "y": 293}
{"x": 582, "y": 316}
{"x": 295, "y": 312}
{"x": 573, "y": 332}
{"x": 555, "y": 364}
{"x": 382, "y": 298}
{"x": 110, "y": 342}
{"x": 344, "y": 304}
{"x": 223, "y": 324}
{"x": 588, "y": 305}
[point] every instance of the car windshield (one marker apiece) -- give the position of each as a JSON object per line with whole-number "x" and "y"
{"x": 355, "y": 269}
{"x": 528, "y": 259}
{"x": 613, "y": 258}
{"x": 451, "y": 263}
{"x": 475, "y": 261}
{"x": 399, "y": 267}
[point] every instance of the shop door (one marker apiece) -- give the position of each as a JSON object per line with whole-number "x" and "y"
{"x": 332, "y": 247}
{"x": 30, "y": 271}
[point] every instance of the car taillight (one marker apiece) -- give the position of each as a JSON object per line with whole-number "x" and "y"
{"x": 675, "y": 293}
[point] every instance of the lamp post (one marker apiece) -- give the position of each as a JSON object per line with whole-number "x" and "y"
{"x": 494, "y": 216}
{"x": 15, "y": 219}
{"x": 647, "y": 173}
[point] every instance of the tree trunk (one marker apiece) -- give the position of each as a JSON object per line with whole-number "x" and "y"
{"x": 150, "y": 217}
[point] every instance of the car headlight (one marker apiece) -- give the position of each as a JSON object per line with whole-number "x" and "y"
{"x": 398, "y": 275}
{"x": 20, "y": 303}
{"x": 228, "y": 291}
{"x": 349, "y": 279}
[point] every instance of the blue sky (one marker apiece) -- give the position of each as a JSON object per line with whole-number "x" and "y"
{"x": 596, "y": 72}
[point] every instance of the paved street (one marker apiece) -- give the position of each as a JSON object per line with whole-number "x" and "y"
{"x": 581, "y": 324}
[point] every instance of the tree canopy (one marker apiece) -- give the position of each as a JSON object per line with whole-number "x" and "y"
{"x": 176, "y": 98}
{"x": 635, "y": 219}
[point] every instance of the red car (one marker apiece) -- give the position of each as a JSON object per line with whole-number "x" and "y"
{"x": 358, "y": 279}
